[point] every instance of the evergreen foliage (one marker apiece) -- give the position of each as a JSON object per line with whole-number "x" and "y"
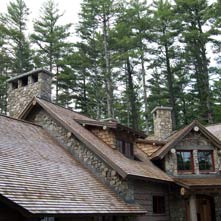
{"x": 130, "y": 57}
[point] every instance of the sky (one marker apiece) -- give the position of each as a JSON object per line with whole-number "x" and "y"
{"x": 71, "y": 8}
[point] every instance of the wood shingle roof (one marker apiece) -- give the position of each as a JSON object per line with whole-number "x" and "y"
{"x": 38, "y": 175}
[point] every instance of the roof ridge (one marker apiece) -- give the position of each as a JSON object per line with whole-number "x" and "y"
{"x": 20, "y": 120}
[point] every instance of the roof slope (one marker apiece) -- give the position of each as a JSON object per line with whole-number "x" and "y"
{"x": 124, "y": 166}
{"x": 38, "y": 174}
{"x": 215, "y": 129}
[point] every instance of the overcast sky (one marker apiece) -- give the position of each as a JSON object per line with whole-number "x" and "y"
{"x": 71, "y": 8}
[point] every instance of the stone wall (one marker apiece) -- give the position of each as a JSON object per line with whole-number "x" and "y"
{"x": 217, "y": 201}
{"x": 106, "y": 135}
{"x": 194, "y": 141}
{"x": 19, "y": 97}
{"x": 85, "y": 156}
{"x": 143, "y": 194}
{"x": 177, "y": 206}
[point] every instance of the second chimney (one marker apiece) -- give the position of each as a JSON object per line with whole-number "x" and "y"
{"x": 162, "y": 122}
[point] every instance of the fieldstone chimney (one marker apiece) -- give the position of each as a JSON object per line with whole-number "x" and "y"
{"x": 22, "y": 88}
{"x": 162, "y": 122}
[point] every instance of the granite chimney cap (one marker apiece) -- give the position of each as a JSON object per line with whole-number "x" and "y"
{"x": 36, "y": 71}
{"x": 161, "y": 108}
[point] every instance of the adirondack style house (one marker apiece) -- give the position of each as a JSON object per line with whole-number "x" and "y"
{"x": 58, "y": 165}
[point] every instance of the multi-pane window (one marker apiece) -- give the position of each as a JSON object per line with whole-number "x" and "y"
{"x": 159, "y": 204}
{"x": 205, "y": 160}
{"x": 184, "y": 161}
{"x": 126, "y": 148}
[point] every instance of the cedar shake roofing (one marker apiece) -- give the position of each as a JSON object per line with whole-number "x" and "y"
{"x": 40, "y": 177}
{"x": 215, "y": 130}
{"x": 179, "y": 135}
{"x": 203, "y": 182}
{"x": 124, "y": 166}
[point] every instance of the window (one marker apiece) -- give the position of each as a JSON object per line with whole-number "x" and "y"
{"x": 184, "y": 161}
{"x": 205, "y": 160}
{"x": 126, "y": 148}
{"x": 159, "y": 204}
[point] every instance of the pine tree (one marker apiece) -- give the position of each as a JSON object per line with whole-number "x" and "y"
{"x": 136, "y": 17}
{"x": 165, "y": 30}
{"x": 195, "y": 15}
{"x": 50, "y": 38}
{"x": 14, "y": 23}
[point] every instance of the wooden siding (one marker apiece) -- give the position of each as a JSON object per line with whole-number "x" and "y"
{"x": 143, "y": 194}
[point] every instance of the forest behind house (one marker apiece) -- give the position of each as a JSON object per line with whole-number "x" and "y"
{"x": 129, "y": 57}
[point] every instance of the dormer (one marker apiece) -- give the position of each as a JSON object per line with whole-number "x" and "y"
{"x": 22, "y": 88}
{"x": 116, "y": 135}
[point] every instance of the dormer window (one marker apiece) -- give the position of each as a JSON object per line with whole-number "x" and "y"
{"x": 205, "y": 160}
{"x": 126, "y": 148}
{"x": 185, "y": 161}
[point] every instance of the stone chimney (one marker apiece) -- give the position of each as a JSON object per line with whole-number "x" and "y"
{"x": 22, "y": 88}
{"x": 162, "y": 122}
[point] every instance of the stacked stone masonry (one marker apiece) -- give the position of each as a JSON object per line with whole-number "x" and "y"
{"x": 106, "y": 174}
{"x": 162, "y": 123}
{"x": 19, "y": 97}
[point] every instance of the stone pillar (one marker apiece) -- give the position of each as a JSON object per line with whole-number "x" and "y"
{"x": 20, "y": 96}
{"x": 193, "y": 210}
{"x": 195, "y": 162}
{"x": 162, "y": 122}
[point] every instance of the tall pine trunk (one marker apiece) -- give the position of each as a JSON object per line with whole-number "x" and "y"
{"x": 108, "y": 77}
{"x": 145, "y": 94}
{"x": 132, "y": 96}
{"x": 170, "y": 81}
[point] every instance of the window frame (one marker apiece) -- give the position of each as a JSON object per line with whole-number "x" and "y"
{"x": 212, "y": 161}
{"x": 192, "y": 162}
{"x": 158, "y": 210}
